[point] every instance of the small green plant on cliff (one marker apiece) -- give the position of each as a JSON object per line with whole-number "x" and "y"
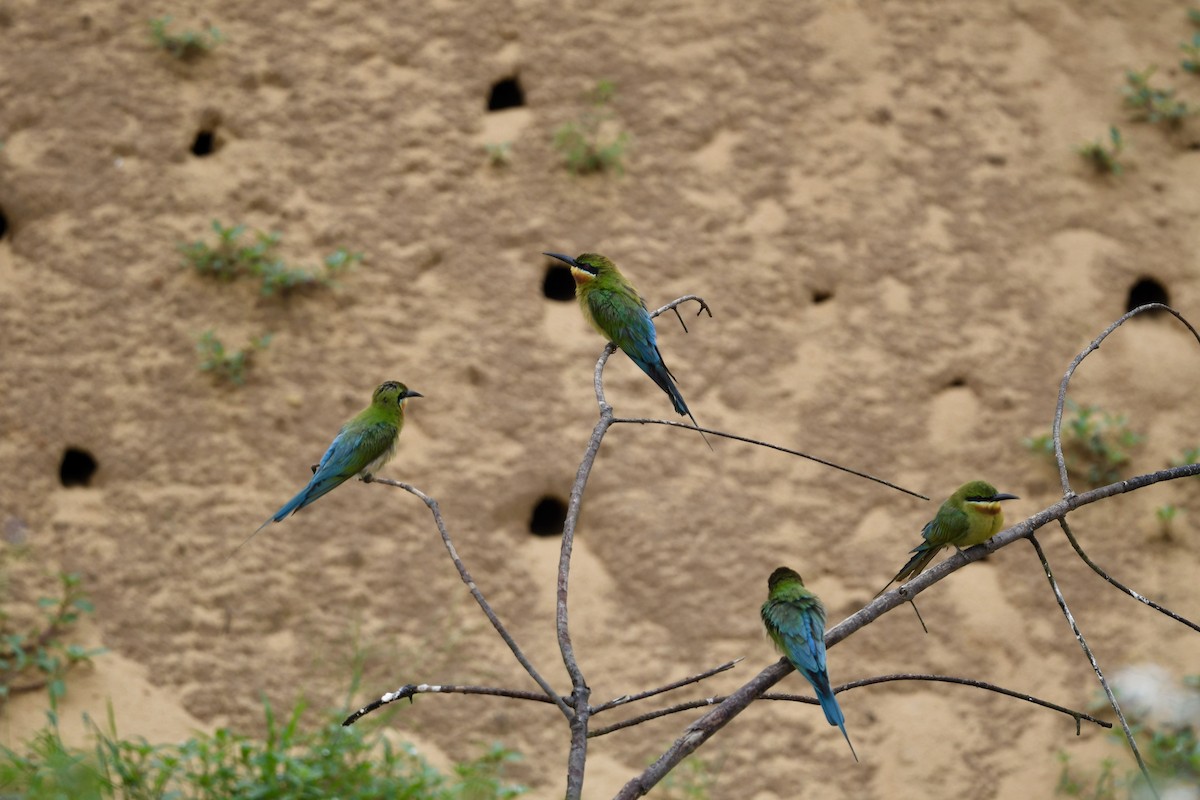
{"x": 33, "y": 652}
{"x": 1192, "y": 52}
{"x": 1148, "y": 104}
{"x": 1096, "y": 444}
{"x": 1102, "y": 157}
{"x": 228, "y": 365}
{"x": 585, "y": 144}
{"x": 185, "y": 45}
{"x": 291, "y": 763}
{"x": 232, "y": 257}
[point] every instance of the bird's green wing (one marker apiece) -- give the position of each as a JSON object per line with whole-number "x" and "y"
{"x": 948, "y": 527}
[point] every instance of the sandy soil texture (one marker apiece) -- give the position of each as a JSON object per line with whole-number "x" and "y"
{"x": 880, "y": 201}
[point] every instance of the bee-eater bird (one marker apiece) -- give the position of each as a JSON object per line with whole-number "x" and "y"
{"x": 618, "y": 312}
{"x": 361, "y": 447}
{"x": 970, "y": 516}
{"x": 795, "y": 621}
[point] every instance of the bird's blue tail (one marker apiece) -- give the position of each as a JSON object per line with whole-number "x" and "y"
{"x": 658, "y": 372}
{"x": 833, "y": 712}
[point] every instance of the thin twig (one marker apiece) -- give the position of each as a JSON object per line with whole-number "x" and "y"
{"x": 1066, "y": 380}
{"x": 409, "y": 690}
{"x": 478, "y": 595}
{"x": 632, "y": 698}
{"x": 760, "y": 443}
{"x": 1141, "y": 599}
{"x": 1078, "y": 716}
{"x": 1112, "y": 699}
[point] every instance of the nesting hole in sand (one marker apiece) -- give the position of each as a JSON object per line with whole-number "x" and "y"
{"x": 957, "y": 382}
{"x": 548, "y": 517}
{"x": 77, "y": 468}
{"x": 1146, "y": 290}
{"x": 205, "y": 143}
{"x": 821, "y": 295}
{"x": 558, "y": 283}
{"x": 3, "y": 225}
{"x": 506, "y": 93}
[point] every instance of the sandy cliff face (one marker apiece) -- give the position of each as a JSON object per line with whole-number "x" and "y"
{"x": 902, "y": 254}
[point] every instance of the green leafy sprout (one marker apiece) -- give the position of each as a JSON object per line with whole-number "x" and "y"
{"x": 585, "y": 145}
{"x": 228, "y": 365}
{"x": 1103, "y": 158}
{"x": 232, "y": 257}
{"x": 186, "y": 45}
{"x": 35, "y": 655}
{"x": 1095, "y": 443}
{"x": 1153, "y": 105}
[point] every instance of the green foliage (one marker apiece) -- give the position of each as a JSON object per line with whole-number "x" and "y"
{"x": 229, "y": 366}
{"x": 1153, "y": 105}
{"x": 584, "y": 144}
{"x": 33, "y": 653}
{"x": 1192, "y": 51}
{"x": 499, "y": 154}
{"x": 231, "y": 258}
{"x": 291, "y": 763}
{"x": 1166, "y": 515}
{"x": 693, "y": 779}
{"x": 1098, "y": 787}
{"x": 1095, "y": 443}
{"x": 1194, "y": 16}
{"x": 1102, "y": 158}
{"x": 1190, "y": 456}
{"x": 186, "y": 45}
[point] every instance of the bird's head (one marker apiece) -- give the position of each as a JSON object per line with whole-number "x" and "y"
{"x": 982, "y": 496}
{"x": 586, "y": 267}
{"x": 392, "y": 393}
{"x": 783, "y": 575}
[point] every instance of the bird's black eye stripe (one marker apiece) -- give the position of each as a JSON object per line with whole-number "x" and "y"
{"x": 978, "y": 499}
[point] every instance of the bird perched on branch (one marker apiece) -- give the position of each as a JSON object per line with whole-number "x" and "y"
{"x": 970, "y": 516}
{"x": 618, "y": 312}
{"x": 361, "y": 447}
{"x": 795, "y": 620}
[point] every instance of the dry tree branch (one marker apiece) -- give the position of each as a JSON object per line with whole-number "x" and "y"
{"x": 1078, "y": 716}
{"x": 1110, "y": 579}
{"x": 1112, "y": 699}
{"x": 478, "y": 595}
{"x": 409, "y": 690}
{"x": 632, "y": 698}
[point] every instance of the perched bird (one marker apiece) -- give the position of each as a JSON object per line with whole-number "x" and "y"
{"x": 795, "y": 621}
{"x": 615, "y": 308}
{"x": 361, "y": 447}
{"x": 969, "y": 517}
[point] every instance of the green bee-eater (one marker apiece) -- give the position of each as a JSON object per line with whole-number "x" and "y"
{"x": 615, "y": 308}
{"x": 970, "y": 516}
{"x": 361, "y": 447}
{"x": 795, "y": 621}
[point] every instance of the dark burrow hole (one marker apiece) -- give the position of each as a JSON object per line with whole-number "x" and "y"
{"x": 506, "y": 93}
{"x": 77, "y": 468}
{"x": 205, "y": 143}
{"x": 3, "y": 224}
{"x": 957, "y": 382}
{"x": 558, "y": 283}
{"x": 548, "y": 517}
{"x": 821, "y": 295}
{"x": 1146, "y": 290}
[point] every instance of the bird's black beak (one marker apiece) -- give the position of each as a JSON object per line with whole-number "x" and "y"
{"x": 565, "y": 259}
{"x": 1003, "y": 496}
{"x": 410, "y": 393}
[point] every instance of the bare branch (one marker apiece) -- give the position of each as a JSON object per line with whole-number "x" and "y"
{"x": 1096, "y": 568}
{"x": 677, "y": 302}
{"x": 410, "y": 690}
{"x": 478, "y": 595}
{"x": 631, "y": 698}
{"x": 768, "y": 445}
{"x": 1112, "y": 699}
{"x": 1078, "y": 716}
{"x": 1066, "y": 380}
